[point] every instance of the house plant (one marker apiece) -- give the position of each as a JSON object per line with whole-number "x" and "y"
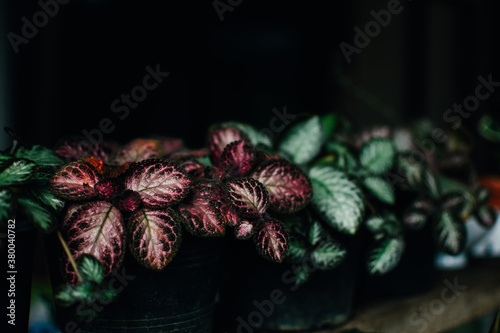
{"x": 135, "y": 195}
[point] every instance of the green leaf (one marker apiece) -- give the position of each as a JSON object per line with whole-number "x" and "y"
{"x": 316, "y": 233}
{"x": 256, "y": 137}
{"x": 17, "y": 172}
{"x": 6, "y": 204}
{"x": 303, "y": 141}
{"x": 328, "y": 256}
{"x": 381, "y": 189}
{"x": 329, "y": 122}
{"x": 410, "y": 170}
{"x": 302, "y": 273}
{"x": 375, "y": 224}
{"x": 298, "y": 251}
{"x": 449, "y": 231}
{"x": 385, "y": 225}
{"x": 39, "y": 214}
{"x": 337, "y": 198}
{"x": 45, "y": 196}
{"x": 431, "y": 184}
{"x": 90, "y": 269}
{"x": 345, "y": 158}
{"x": 377, "y": 156}
{"x": 40, "y": 155}
{"x": 385, "y": 255}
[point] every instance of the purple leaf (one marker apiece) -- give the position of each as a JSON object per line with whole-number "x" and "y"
{"x": 127, "y": 201}
{"x": 238, "y": 157}
{"x": 155, "y": 237}
{"x": 200, "y": 214}
{"x": 96, "y": 228}
{"x": 226, "y": 212}
{"x": 248, "y": 197}
{"x": 136, "y": 151}
{"x": 75, "y": 181}
{"x": 159, "y": 182}
{"x": 193, "y": 168}
{"x": 289, "y": 188}
{"x": 108, "y": 188}
{"x": 220, "y": 137}
{"x": 169, "y": 145}
{"x": 185, "y": 154}
{"x": 72, "y": 150}
{"x": 244, "y": 230}
{"x": 271, "y": 239}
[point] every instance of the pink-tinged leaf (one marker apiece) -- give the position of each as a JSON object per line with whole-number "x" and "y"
{"x": 220, "y": 137}
{"x": 127, "y": 201}
{"x": 155, "y": 237}
{"x": 75, "y": 181}
{"x": 288, "y": 186}
{"x": 108, "y": 188}
{"x": 244, "y": 230}
{"x": 159, "y": 182}
{"x": 185, "y": 154}
{"x": 73, "y": 208}
{"x": 248, "y": 197}
{"x": 136, "y": 151}
{"x": 72, "y": 150}
{"x": 96, "y": 228}
{"x": 271, "y": 239}
{"x": 201, "y": 217}
{"x": 226, "y": 212}
{"x": 238, "y": 157}
{"x": 169, "y": 145}
{"x": 193, "y": 168}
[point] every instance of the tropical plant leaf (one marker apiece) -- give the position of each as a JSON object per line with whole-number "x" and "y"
{"x": 344, "y": 158}
{"x": 41, "y": 216}
{"x": 239, "y": 158}
{"x": 96, "y": 229}
{"x": 271, "y": 239}
{"x": 193, "y": 168}
{"x": 381, "y": 189}
{"x": 6, "y": 204}
{"x": 384, "y": 225}
{"x": 328, "y": 255}
{"x": 255, "y": 137}
{"x": 453, "y": 201}
{"x": 201, "y": 217}
{"x": 449, "y": 232}
{"x": 160, "y": 183}
{"x": 169, "y": 145}
{"x": 375, "y": 224}
{"x": 337, "y": 198}
{"x": 482, "y": 195}
{"x": 329, "y": 123}
{"x": 415, "y": 219}
{"x": 127, "y": 201}
{"x": 316, "y": 233}
{"x": 40, "y": 155}
{"x": 244, "y": 230}
{"x": 90, "y": 269}
{"x": 298, "y": 251}
{"x": 410, "y": 170}
{"x": 303, "y": 141}
{"x": 431, "y": 184}
{"x": 45, "y": 196}
{"x": 377, "y": 156}
{"x": 136, "y": 151}
{"x": 16, "y": 172}
{"x": 220, "y": 137}
{"x": 385, "y": 255}
{"x": 302, "y": 273}
{"x": 74, "y": 149}
{"x": 75, "y": 181}
{"x": 248, "y": 197}
{"x": 108, "y": 188}
{"x": 289, "y": 188}
{"x": 155, "y": 237}
{"x": 486, "y": 216}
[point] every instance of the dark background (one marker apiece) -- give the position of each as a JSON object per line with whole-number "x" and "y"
{"x": 263, "y": 55}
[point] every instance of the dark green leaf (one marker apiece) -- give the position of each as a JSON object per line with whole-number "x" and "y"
{"x": 381, "y": 189}
{"x": 328, "y": 256}
{"x": 303, "y": 141}
{"x": 337, "y": 198}
{"x": 454, "y": 201}
{"x": 329, "y": 122}
{"x": 375, "y": 224}
{"x": 17, "y": 172}
{"x": 385, "y": 255}
{"x": 298, "y": 251}
{"x": 411, "y": 170}
{"x": 383, "y": 225}
{"x": 39, "y": 214}
{"x": 377, "y": 156}
{"x": 345, "y": 158}
{"x": 47, "y": 197}
{"x": 316, "y": 233}
{"x": 302, "y": 273}
{"x": 90, "y": 269}
{"x": 449, "y": 231}
{"x": 40, "y": 155}
{"x": 6, "y": 204}
{"x": 431, "y": 184}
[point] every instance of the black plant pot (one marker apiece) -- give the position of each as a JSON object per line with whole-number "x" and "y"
{"x": 178, "y": 299}
{"x": 17, "y": 279}
{"x": 264, "y": 296}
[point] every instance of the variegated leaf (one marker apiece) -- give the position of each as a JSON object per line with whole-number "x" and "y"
{"x": 136, "y": 151}
{"x": 238, "y": 158}
{"x": 75, "y": 181}
{"x": 449, "y": 232}
{"x": 220, "y": 137}
{"x": 271, "y": 239}
{"x": 385, "y": 255}
{"x": 247, "y": 196}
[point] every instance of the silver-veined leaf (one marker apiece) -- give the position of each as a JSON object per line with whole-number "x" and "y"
{"x": 449, "y": 231}
{"x": 381, "y": 189}
{"x": 271, "y": 239}
{"x": 385, "y": 255}
{"x": 248, "y": 197}
{"x": 377, "y": 156}
{"x": 303, "y": 141}
{"x": 75, "y": 181}
{"x": 16, "y": 172}
{"x": 328, "y": 255}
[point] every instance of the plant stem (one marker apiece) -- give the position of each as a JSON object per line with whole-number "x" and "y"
{"x": 14, "y": 146}
{"x": 68, "y": 253}
{"x": 373, "y": 210}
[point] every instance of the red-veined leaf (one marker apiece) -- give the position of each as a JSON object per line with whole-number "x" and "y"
{"x": 136, "y": 151}
{"x": 96, "y": 228}
{"x": 75, "y": 181}
{"x": 169, "y": 145}
{"x": 271, "y": 239}
{"x": 155, "y": 237}
{"x": 159, "y": 182}
{"x": 220, "y": 137}
{"x": 193, "y": 168}
{"x": 127, "y": 201}
{"x": 244, "y": 230}
{"x": 200, "y": 214}
{"x": 247, "y": 196}
{"x": 72, "y": 150}
{"x": 238, "y": 157}
{"x": 108, "y": 188}
{"x": 289, "y": 188}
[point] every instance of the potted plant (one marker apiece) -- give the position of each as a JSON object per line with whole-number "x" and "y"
{"x": 129, "y": 207}
{"x": 26, "y": 204}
